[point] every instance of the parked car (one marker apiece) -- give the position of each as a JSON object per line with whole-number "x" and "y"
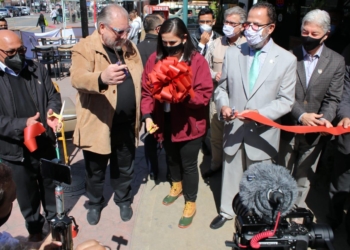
{"x": 13, "y": 10}
{"x": 4, "y": 12}
{"x": 24, "y": 10}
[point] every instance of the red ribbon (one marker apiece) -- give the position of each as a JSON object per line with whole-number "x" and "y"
{"x": 170, "y": 80}
{"x": 30, "y": 133}
{"x": 296, "y": 129}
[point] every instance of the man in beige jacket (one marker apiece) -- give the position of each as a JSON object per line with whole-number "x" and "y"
{"x": 106, "y": 71}
{"x": 233, "y": 28}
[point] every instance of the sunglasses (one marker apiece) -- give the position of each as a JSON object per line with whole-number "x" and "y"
{"x": 21, "y": 50}
{"x": 117, "y": 31}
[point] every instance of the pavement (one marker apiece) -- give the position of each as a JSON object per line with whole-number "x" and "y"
{"x": 153, "y": 225}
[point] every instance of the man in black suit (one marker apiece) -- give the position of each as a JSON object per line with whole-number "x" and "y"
{"x": 340, "y": 180}
{"x": 320, "y": 76}
{"x": 148, "y": 46}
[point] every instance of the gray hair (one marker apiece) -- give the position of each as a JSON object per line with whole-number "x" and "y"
{"x": 109, "y": 12}
{"x": 319, "y": 17}
{"x": 237, "y": 11}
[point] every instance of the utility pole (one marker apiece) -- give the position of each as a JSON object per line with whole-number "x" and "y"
{"x": 84, "y": 18}
{"x": 185, "y": 11}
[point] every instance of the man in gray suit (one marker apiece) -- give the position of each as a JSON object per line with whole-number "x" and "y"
{"x": 259, "y": 77}
{"x": 320, "y": 76}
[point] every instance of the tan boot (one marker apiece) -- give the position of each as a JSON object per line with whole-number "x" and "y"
{"x": 188, "y": 214}
{"x": 175, "y": 192}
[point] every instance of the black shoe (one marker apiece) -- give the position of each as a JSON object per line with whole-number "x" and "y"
{"x": 218, "y": 222}
{"x": 125, "y": 212}
{"x": 93, "y": 216}
{"x": 205, "y": 149}
{"x": 36, "y": 237}
{"x": 153, "y": 176}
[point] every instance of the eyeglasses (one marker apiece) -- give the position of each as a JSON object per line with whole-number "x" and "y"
{"x": 21, "y": 50}
{"x": 205, "y": 21}
{"x": 118, "y": 31}
{"x": 255, "y": 26}
{"x": 233, "y": 24}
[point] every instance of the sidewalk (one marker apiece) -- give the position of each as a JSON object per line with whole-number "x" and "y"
{"x": 154, "y": 226}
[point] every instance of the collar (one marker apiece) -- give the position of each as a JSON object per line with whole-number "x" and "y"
{"x": 318, "y": 53}
{"x": 236, "y": 43}
{"x": 9, "y": 71}
{"x": 151, "y": 36}
{"x": 264, "y": 49}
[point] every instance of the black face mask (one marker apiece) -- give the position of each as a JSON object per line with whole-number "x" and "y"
{"x": 3, "y": 220}
{"x": 174, "y": 49}
{"x": 15, "y": 62}
{"x": 310, "y": 43}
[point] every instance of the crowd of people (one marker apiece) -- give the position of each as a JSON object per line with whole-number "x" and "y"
{"x": 244, "y": 71}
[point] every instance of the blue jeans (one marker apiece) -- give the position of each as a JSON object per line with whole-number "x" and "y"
{"x": 42, "y": 28}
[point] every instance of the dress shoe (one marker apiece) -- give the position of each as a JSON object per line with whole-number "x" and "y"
{"x": 36, "y": 237}
{"x": 153, "y": 176}
{"x": 188, "y": 214}
{"x": 125, "y": 212}
{"x": 218, "y": 222}
{"x": 175, "y": 192}
{"x": 93, "y": 215}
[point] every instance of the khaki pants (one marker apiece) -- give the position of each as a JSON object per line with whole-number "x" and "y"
{"x": 216, "y": 141}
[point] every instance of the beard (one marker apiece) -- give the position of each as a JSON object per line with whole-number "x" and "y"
{"x": 108, "y": 41}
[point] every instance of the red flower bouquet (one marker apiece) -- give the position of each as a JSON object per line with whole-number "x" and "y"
{"x": 170, "y": 80}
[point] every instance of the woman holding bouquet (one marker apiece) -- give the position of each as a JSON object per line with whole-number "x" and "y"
{"x": 181, "y": 118}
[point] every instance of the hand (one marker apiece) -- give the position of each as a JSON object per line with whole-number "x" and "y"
{"x": 48, "y": 244}
{"x": 90, "y": 245}
{"x": 150, "y": 124}
{"x": 239, "y": 115}
{"x": 311, "y": 119}
{"x": 205, "y": 37}
{"x": 327, "y": 124}
{"x": 32, "y": 120}
{"x": 53, "y": 121}
{"x": 226, "y": 113}
{"x": 345, "y": 122}
{"x": 218, "y": 76}
{"x": 114, "y": 74}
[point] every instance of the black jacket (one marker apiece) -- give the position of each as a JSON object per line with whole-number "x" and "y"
{"x": 147, "y": 47}
{"x": 45, "y": 96}
{"x": 196, "y": 37}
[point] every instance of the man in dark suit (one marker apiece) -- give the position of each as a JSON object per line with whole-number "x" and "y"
{"x": 148, "y": 46}
{"x": 340, "y": 180}
{"x": 320, "y": 76}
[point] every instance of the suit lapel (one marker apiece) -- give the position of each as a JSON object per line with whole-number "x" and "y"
{"x": 320, "y": 67}
{"x": 301, "y": 67}
{"x": 267, "y": 67}
{"x": 243, "y": 64}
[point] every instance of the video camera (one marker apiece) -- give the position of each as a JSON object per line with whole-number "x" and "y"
{"x": 289, "y": 235}
{"x": 265, "y": 214}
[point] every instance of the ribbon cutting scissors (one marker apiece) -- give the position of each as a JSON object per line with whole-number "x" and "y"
{"x": 153, "y": 129}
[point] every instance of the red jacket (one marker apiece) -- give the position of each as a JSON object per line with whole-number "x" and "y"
{"x": 188, "y": 118}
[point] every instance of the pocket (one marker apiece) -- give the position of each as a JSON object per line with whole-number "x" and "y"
{"x": 217, "y": 64}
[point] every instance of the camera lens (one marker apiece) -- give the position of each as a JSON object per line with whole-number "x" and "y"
{"x": 320, "y": 236}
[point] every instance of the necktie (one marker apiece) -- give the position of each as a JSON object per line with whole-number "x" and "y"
{"x": 254, "y": 71}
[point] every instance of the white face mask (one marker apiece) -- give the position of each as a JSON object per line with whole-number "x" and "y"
{"x": 255, "y": 39}
{"x": 206, "y": 28}
{"x": 229, "y": 31}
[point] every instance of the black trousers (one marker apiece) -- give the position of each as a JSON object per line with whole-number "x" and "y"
{"x": 182, "y": 159}
{"x": 151, "y": 154}
{"x": 32, "y": 189}
{"x": 340, "y": 190}
{"x": 121, "y": 168}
